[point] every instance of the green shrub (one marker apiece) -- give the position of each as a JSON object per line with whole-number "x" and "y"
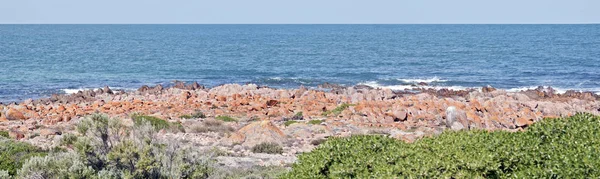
{"x": 186, "y": 116}
{"x": 338, "y": 110}
{"x": 552, "y": 148}
{"x": 211, "y": 125}
{"x": 4, "y": 174}
{"x": 68, "y": 139}
{"x": 14, "y": 153}
{"x": 315, "y": 122}
{"x": 157, "y": 123}
{"x": 267, "y": 147}
{"x": 4, "y": 134}
{"x": 226, "y": 119}
{"x": 56, "y": 165}
{"x": 199, "y": 114}
{"x": 288, "y": 123}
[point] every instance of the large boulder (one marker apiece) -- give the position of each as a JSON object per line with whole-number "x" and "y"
{"x": 455, "y": 118}
{"x": 258, "y": 132}
{"x": 14, "y": 114}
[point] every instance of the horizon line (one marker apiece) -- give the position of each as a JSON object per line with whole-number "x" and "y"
{"x": 594, "y": 23}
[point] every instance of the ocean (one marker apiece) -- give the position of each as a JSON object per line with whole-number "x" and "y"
{"x": 39, "y": 60}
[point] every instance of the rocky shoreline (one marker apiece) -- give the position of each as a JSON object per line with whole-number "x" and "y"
{"x": 294, "y": 118}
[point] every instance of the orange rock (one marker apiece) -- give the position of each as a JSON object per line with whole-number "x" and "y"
{"x": 61, "y": 108}
{"x": 522, "y": 122}
{"x": 221, "y": 98}
{"x": 16, "y": 134}
{"x": 14, "y": 114}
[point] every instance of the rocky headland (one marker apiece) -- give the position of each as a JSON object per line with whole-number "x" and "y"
{"x": 297, "y": 119}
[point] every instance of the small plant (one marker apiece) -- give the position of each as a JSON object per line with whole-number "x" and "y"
{"x": 157, "y": 123}
{"x": 315, "y": 122}
{"x": 338, "y": 110}
{"x": 196, "y": 115}
{"x": 268, "y": 147}
{"x": 298, "y": 116}
{"x": 176, "y": 127}
{"x": 186, "y": 116}
{"x": 226, "y": 119}
{"x": 68, "y": 139}
{"x": 288, "y": 123}
{"x": 211, "y": 126}
{"x": 199, "y": 114}
{"x": 4, "y": 134}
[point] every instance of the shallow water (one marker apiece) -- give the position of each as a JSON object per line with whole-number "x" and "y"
{"x": 38, "y": 60}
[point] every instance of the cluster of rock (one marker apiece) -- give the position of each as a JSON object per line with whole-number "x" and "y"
{"x": 401, "y": 114}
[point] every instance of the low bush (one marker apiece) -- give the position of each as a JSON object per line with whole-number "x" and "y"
{"x": 14, "y": 153}
{"x": 338, "y": 110}
{"x": 4, "y": 134}
{"x": 552, "y": 148}
{"x": 211, "y": 126}
{"x": 226, "y": 119}
{"x": 108, "y": 149}
{"x": 267, "y": 147}
{"x": 196, "y": 115}
{"x": 315, "y": 122}
{"x": 186, "y": 116}
{"x": 288, "y": 123}
{"x": 68, "y": 139}
{"x": 157, "y": 123}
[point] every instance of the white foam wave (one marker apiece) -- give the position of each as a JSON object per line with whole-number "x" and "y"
{"x": 557, "y": 90}
{"x": 427, "y": 80}
{"x": 374, "y": 84}
{"x": 73, "y": 91}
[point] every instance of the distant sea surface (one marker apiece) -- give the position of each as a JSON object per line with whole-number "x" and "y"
{"x": 39, "y": 60}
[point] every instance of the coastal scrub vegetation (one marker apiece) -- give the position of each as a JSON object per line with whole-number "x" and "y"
{"x": 315, "y": 122}
{"x": 267, "y": 147}
{"x": 552, "y": 148}
{"x": 157, "y": 123}
{"x": 107, "y": 149}
{"x": 195, "y": 115}
{"x": 226, "y": 119}
{"x": 4, "y": 134}
{"x": 338, "y": 110}
{"x": 14, "y": 153}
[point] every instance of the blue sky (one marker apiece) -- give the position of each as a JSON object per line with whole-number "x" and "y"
{"x": 300, "y": 11}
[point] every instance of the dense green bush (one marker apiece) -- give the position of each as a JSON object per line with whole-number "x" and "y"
{"x": 267, "y": 147}
{"x": 552, "y": 148}
{"x": 4, "y": 134}
{"x": 157, "y": 123}
{"x": 14, "y": 153}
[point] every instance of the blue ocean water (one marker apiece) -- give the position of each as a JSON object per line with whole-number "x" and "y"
{"x": 38, "y": 60}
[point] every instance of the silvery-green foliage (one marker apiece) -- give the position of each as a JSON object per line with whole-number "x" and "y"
{"x": 4, "y": 174}
{"x": 178, "y": 161}
{"x": 56, "y": 165}
{"x": 110, "y": 174}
